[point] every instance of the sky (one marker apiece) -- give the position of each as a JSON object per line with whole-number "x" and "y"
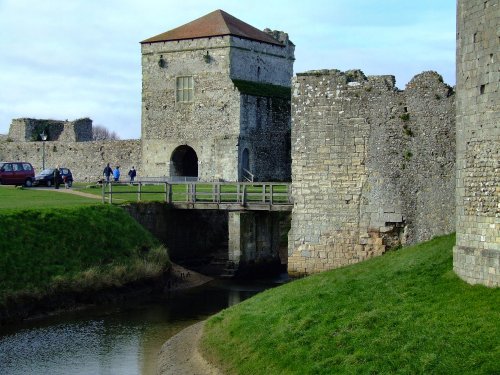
{"x": 68, "y": 59}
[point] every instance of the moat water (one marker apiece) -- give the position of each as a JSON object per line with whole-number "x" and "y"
{"x": 119, "y": 339}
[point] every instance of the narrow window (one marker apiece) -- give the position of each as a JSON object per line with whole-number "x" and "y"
{"x": 481, "y": 89}
{"x": 184, "y": 89}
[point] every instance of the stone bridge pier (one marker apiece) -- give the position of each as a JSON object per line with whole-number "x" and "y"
{"x": 257, "y": 241}
{"x": 219, "y": 242}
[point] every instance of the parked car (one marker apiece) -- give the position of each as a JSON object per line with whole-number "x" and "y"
{"x": 16, "y": 173}
{"x": 46, "y": 177}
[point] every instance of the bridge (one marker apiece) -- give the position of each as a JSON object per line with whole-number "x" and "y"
{"x": 227, "y": 227}
{"x": 230, "y": 196}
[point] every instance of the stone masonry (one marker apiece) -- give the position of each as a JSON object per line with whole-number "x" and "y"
{"x": 28, "y": 129}
{"x": 240, "y": 105}
{"x": 476, "y": 256}
{"x": 85, "y": 159}
{"x": 372, "y": 166}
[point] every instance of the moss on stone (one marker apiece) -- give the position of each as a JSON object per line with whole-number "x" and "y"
{"x": 262, "y": 89}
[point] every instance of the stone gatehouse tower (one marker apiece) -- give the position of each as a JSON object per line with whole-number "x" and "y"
{"x": 216, "y": 101}
{"x": 476, "y": 256}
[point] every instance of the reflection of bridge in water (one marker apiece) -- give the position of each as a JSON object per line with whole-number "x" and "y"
{"x": 231, "y": 196}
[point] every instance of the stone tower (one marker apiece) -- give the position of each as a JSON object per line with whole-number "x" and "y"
{"x": 476, "y": 256}
{"x": 216, "y": 101}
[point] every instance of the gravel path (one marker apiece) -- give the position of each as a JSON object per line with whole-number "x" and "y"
{"x": 180, "y": 354}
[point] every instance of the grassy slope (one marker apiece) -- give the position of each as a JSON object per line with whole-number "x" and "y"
{"x": 40, "y": 247}
{"x": 12, "y": 198}
{"x": 404, "y": 313}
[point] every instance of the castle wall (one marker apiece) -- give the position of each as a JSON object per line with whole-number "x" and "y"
{"x": 372, "y": 167}
{"x": 476, "y": 256}
{"x": 265, "y": 133}
{"x": 265, "y": 118}
{"x": 27, "y": 130}
{"x": 85, "y": 159}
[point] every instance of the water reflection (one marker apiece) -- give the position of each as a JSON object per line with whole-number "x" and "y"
{"x": 121, "y": 339}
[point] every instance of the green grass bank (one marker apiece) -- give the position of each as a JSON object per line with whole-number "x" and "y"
{"x": 403, "y": 313}
{"x": 12, "y": 198}
{"x": 78, "y": 248}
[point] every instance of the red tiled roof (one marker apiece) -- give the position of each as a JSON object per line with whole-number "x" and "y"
{"x": 217, "y": 23}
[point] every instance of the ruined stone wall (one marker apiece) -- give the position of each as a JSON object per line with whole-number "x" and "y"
{"x": 28, "y": 129}
{"x": 372, "y": 167}
{"x": 85, "y": 159}
{"x": 476, "y": 256}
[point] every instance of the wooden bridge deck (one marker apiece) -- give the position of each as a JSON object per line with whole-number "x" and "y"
{"x": 231, "y": 196}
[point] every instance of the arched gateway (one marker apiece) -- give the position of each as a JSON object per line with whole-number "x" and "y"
{"x": 184, "y": 162}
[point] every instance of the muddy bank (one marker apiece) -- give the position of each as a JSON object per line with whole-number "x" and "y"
{"x": 180, "y": 354}
{"x": 25, "y": 306}
{"x": 28, "y": 306}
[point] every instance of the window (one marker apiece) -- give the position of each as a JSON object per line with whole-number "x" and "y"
{"x": 184, "y": 89}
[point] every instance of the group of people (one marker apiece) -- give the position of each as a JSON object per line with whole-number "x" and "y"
{"x": 108, "y": 172}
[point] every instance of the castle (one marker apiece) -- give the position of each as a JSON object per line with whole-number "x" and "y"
{"x": 372, "y": 167}
{"x": 216, "y": 101}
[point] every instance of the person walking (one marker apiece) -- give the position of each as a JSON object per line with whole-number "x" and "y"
{"x": 116, "y": 174}
{"x": 107, "y": 172}
{"x": 132, "y": 173}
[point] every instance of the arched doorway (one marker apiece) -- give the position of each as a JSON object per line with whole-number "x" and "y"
{"x": 184, "y": 162}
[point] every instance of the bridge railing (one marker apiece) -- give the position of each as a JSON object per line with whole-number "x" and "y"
{"x": 243, "y": 193}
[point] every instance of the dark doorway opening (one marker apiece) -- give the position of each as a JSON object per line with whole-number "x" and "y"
{"x": 245, "y": 174}
{"x": 184, "y": 162}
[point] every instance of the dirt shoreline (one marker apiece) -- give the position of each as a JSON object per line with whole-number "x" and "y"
{"x": 180, "y": 355}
